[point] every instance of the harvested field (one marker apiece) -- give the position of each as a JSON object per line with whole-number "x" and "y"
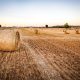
{"x": 43, "y": 57}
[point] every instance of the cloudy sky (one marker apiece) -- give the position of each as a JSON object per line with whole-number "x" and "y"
{"x": 39, "y": 12}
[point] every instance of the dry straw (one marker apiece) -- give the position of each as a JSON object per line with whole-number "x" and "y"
{"x": 9, "y": 40}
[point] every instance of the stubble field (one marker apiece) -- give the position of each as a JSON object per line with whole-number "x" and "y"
{"x": 48, "y": 55}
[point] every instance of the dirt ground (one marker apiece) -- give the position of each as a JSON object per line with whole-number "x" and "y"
{"x": 49, "y": 55}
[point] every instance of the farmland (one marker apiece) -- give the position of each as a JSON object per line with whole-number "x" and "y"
{"x": 48, "y": 55}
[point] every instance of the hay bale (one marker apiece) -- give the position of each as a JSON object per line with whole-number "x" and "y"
{"x": 77, "y": 31}
{"x": 9, "y": 40}
{"x": 36, "y": 31}
{"x": 65, "y": 31}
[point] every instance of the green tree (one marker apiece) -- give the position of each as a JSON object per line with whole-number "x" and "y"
{"x": 66, "y": 25}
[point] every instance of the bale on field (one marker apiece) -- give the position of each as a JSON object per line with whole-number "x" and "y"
{"x": 36, "y": 31}
{"x": 65, "y": 31}
{"x": 77, "y": 31}
{"x": 9, "y": 40}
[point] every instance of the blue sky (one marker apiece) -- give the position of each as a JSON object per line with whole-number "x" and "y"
{"x": 39, "y": 12}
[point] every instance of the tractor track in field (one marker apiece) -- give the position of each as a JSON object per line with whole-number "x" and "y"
{"x": 18, "y": 65}
{"x": 43, "y": 66}
{"x": 69, "y": 68}
{"x": 70, "y": 54}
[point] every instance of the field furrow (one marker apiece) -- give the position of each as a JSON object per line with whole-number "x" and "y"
{"x": 62, "y": 58}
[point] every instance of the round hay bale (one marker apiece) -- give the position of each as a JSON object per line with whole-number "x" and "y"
{"x": 9, "y": 40}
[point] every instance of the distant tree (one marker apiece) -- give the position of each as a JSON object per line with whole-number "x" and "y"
{"x": 0, "y": 25}
{"x": 46, "y": 26}
{"x": 66, "y": 25}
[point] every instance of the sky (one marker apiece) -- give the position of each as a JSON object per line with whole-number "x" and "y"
{"x": 39, "y": 12}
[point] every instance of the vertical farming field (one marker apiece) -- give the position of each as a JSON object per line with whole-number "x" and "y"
{"x": 48, "y": 55}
